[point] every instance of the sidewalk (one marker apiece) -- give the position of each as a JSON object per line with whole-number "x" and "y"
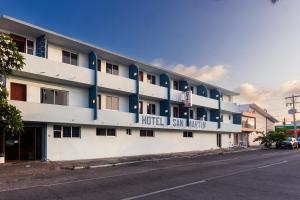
{"x": 20, "y": 169}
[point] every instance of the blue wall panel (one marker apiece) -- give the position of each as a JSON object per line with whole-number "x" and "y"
{"x": 165, "y": 105}
{"x": 93, "y": 90}
{"x": 134, "y": 98}
{"x": 202, "y": 91}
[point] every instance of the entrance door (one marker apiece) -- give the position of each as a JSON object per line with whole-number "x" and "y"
{"x": 11, "y": 146}
{"x": 26, "y": 146}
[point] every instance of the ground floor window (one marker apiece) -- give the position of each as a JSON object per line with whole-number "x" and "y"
{"x": 219, "y": 140}
{"x": 128, "y": 131}
{"x": 66, "y": 131}
{"x": 146, "y": 133}
{"x": 106, "y": 132}
{"x": 187, "y": 134}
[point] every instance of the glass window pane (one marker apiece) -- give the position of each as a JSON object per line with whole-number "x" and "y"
{"x": 76, "y": 132}
{"x": 108, "y": 68}
{"x": 143, "y": 133}
{"x": 115, "y": 103}
{"x": 153, "y": 109}
{"x": 101, "y": 131}
{"x": 115, "y": 69}
{"x": 57, "y": 131}
{"x": 66, "y": 57}
{"x": 150, "y": 133}
{"x": 111, "y": 132}
{"x": 74, "y": 59}
{"x": 61, "y": 97}
{"x": 66, "y": 131}
{"x": 47, "y": 96}
{"x": 108, "y": 102}
{"x": 153, "y": 80}
{"x": 30, "y": 47}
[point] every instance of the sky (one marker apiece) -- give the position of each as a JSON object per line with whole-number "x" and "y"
{"x": 250, "y": 46}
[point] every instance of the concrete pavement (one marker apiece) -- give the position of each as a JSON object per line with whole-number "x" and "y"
{"x": 264, "y": 174}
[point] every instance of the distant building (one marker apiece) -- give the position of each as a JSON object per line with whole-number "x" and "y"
{"x": 255, "y": 120}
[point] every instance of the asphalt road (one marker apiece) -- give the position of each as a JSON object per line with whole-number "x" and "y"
{"x": 262, "y": 174}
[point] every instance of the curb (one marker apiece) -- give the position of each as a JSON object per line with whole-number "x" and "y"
{"x": 152, "y": 160}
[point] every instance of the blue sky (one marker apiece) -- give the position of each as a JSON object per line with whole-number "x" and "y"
{"x": 255, "y": 44}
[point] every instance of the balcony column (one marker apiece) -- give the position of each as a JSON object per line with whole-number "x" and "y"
{"x": 165, "y": 105}
{"x": 134, "y": 98}
{"x": 237, "y": 119}
{"x": 93, "y": 91}
{"x": 183, "y": 111}
{"x": 42, "y": 46}
{"x": 202, "y": 91}
{"x": 216, "y": 114}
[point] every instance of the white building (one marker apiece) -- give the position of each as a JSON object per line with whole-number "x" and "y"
{"x": 81, "y": 102}
{"x": 255, "y": 121}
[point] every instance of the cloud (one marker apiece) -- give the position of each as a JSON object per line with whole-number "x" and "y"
{"x": 291, "y": 86}
{"x": 205, "y": 73}
{"x": 251, "y": 94}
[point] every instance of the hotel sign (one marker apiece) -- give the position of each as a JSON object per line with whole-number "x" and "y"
{"x": 158, "y": 121}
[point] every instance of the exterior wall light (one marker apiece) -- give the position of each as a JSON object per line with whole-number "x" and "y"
{"x": 134, "y": 74}
{"x": 135, "y": 107}
{"x": 185, "y": 87}
{"x": 185, "y": 113}
{"x": 94, "y": 101}
{"x": 166, "y": 83}
{"x": 166, "y": 111}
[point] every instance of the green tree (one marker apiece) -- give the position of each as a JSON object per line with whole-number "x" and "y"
{"x": 10, "y": 60}
{"x": 267, "y": 139}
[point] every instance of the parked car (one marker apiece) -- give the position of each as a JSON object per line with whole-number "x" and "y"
{"x": 290, "y": 142}
{"x": 298, "y": 140}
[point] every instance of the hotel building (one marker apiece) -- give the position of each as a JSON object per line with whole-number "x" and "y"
{"x": 79, "y": 101}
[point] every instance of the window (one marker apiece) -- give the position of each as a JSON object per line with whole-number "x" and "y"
{"x": 106, "y": 132}
{"x": 57, "y": 131}
{"x": 112, "y": 69}
{"x": 99, "y": 65}
{"x": 20, "y": 42}
{"x": 51, "y": 96}
{"x": 175, "y": 112}
{"x": 128, "y": 131}
{"x": 192, "y": 89}
{"x": 18, "y": 92}
{"x": 99, "y": 101}
{"x": 112, "y": 103}
{"x": 219, "y": 140}
{"x": 76, "y": 131}
{"x": 248, "y": 122}
{"x": 151, "y": 108}
{"x": 146, "y": 133}
{"x": 151, "y": 79}
{"x": 141, "y": 107}
{"x": 30, "y": 47}
{"x": 175, "y": 85}
{"x": 229, "y": 117}
{"x": 69, "y": 58}
{"x": 191, "y": 114}
{"x": 101, "y": 132}
{"x": 47, "y": 96}
{"x": 61, "y": 97}
{"x": 67, "y": 131}
{"x": 141, "y": 76}
{"x": 187, "y": 134}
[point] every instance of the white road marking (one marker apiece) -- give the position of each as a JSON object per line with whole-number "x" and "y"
{"x": 202, "y": 181}
{"x": 164, "y": 190}
{"x": 269, "y": 165}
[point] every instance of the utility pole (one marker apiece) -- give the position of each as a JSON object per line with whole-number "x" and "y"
{"x": 293, "y": 110}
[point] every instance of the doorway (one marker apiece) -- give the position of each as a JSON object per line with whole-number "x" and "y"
{"x": 25, "y": 146}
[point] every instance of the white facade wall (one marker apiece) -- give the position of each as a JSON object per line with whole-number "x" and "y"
{"x": 91, "y": 146}
{"x": 78, "y": 97}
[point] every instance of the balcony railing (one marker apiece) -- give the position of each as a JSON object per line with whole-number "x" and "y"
{"x": 117, "y": 83}
{"x": 46, "y": 69}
